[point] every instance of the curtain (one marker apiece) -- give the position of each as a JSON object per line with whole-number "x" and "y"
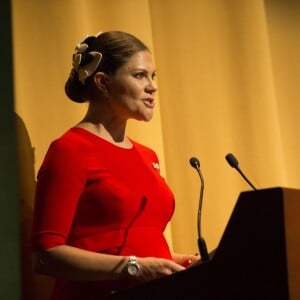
{"x": 228, "y": 75}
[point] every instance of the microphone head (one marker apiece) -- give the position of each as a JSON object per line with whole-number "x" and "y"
{"x": 233, "y": 162}
{"x": 194, "y": 161}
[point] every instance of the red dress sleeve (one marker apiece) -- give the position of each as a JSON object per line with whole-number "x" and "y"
{"x": 60, "y": 182}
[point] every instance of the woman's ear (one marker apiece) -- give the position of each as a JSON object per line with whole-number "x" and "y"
{"x": 101, "y": 81}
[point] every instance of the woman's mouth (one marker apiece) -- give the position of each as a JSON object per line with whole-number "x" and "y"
{"x": 149, "y": 102}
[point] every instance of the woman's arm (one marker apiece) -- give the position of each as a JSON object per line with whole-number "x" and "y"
{"x": 73, "y": 263}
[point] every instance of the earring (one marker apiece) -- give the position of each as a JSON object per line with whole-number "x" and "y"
{"x": 105, "y": 93}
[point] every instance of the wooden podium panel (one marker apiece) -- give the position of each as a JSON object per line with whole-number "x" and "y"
{"x": 292, "y": 237}
{"x": 257, "y": 257}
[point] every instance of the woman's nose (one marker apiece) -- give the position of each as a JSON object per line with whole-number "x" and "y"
{"x": 152, "y": 86}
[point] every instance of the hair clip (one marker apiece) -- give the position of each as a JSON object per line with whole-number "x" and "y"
{"x": 86, "y": 70}
{"x": 80, "y": 48}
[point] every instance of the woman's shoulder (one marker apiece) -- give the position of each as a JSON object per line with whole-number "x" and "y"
{"x": 72, "y": 141}
{"x": 145, "y": 150}
{"x": 74, "y": 135}
{"x": 141, "y": 146}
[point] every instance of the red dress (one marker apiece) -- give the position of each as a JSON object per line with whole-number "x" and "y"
{"x": 100, "y": 197}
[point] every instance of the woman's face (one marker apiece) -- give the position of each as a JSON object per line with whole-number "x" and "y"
{"x": 132, "y": 88}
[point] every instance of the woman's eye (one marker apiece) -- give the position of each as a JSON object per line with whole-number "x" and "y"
{"x": 139, "y": 75}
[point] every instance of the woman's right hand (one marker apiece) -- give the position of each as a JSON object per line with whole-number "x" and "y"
{"x": 154, "y": 268}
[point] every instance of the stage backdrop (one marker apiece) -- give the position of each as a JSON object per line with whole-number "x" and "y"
{"x": 228, "y": 79}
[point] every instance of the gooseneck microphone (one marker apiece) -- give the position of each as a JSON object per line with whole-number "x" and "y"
{"x": 201, "y": 242}
{"x": 233, "y": 162}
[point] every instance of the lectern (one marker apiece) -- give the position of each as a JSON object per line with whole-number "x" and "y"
{"x": 258, "y": 256}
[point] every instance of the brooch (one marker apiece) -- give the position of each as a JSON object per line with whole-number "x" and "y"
{"x": 155, "y": 165}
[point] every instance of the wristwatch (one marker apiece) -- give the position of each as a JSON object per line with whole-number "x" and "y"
{"x": 133, "y": 267}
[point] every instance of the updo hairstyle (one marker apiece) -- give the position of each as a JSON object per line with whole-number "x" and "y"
{"x": 114, "y": 48}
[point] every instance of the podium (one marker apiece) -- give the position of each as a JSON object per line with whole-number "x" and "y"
{"x": 258, "y": 256}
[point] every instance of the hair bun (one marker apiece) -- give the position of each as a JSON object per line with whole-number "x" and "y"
{"x": 74, "y": 89}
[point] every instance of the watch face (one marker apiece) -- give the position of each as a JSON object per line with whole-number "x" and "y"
{"x": 132, "y": 269}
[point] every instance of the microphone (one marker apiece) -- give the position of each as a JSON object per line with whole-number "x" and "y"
{"x": 233, "y": 162}
{"x": 201, "y": 242}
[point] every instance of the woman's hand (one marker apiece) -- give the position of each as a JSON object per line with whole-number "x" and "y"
{"x": 153, "y": 268}
{"x": 186, "y": 260}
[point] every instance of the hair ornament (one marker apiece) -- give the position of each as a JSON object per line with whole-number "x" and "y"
{"x": 88, "y": 69}
{"x": 80, "y": 48}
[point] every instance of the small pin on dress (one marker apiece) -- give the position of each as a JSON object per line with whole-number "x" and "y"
{"x": 155, "y": 165}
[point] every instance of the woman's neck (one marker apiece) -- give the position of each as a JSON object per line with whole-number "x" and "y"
{"x": 106, "y": 126}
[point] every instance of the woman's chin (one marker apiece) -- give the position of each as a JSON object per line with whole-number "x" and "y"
{"x": 146, "y": 117}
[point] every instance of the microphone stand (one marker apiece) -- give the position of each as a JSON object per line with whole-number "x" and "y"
{"x": 201, "y": 242}
{"x": 234, "y": 163}
{"x": 246, "y": 179}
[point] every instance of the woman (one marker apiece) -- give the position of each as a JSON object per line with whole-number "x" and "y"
{"x": 101, "y": 205}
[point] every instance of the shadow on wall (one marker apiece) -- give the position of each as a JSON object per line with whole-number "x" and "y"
{"x": 34, "y": 286}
